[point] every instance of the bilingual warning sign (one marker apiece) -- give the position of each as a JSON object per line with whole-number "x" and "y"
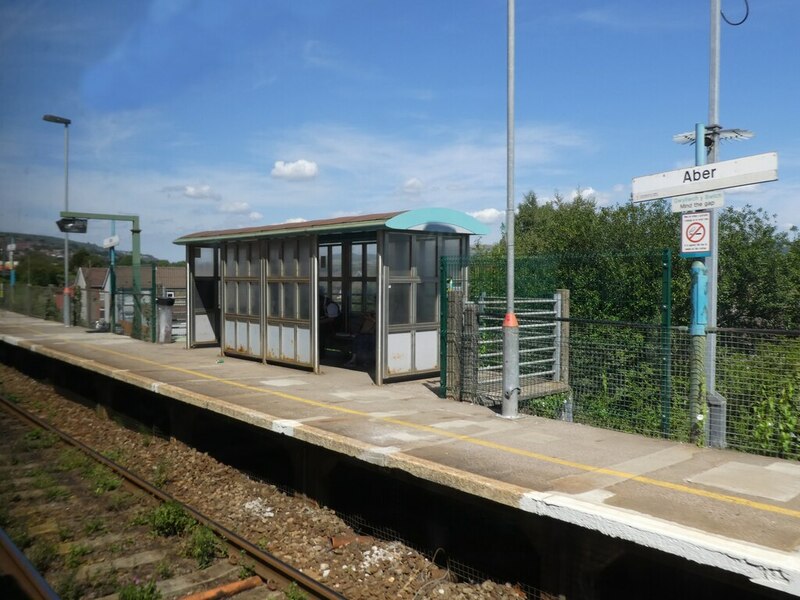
{"x": 696, "y": 234}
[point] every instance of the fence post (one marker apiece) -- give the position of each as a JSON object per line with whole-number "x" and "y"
{"x": 697, "y": 333}
{"x": 455, "y": 328}
{"x": 562, "y": 343}
{"x": 444, "y": 300}
{"x": 87, "y": 291}
{"x": 666, "y": 340}
{"x": 563, "y": 374}
{"x": 470, "y": 350}
{"x": 153, "y": 304}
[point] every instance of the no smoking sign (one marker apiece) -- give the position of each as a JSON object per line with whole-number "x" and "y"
{"x": 696, "y": 234}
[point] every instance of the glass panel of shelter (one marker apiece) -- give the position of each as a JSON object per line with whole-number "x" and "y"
{"x": 348, "y": 276}
{"x": 242, "y": 295}
{"x": 288, "y": 317}
{"x": 412, "y": 286}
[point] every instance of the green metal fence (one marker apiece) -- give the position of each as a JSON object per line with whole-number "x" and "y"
{"x": 43, "y": 302}
{"x": 612, "y": 356}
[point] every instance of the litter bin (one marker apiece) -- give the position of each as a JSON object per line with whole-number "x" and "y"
{"x": 165, "y": 319}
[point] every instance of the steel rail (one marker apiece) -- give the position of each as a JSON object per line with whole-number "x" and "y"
{"x": 268, "y": 566}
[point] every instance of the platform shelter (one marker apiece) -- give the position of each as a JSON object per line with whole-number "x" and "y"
{"x": 363, "y": 288}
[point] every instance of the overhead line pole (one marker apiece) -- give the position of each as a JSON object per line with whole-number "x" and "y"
{"x": 510, "y": 324}
{"x": 712, "y": 262}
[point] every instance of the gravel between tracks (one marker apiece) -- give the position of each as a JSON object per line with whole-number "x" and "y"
{"x": 297, "y": 530}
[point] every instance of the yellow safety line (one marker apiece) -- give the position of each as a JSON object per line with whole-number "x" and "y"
{"x": 678, "y": 487}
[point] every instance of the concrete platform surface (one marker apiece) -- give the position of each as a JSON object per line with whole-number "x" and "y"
{"x": 725, "y": 509}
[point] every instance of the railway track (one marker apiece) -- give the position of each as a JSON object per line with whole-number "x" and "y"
{"x": 95, "y": 529}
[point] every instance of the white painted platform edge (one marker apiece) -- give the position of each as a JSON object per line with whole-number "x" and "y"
{"x": 763, "y": 566}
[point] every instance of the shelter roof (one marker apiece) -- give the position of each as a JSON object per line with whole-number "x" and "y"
{"x": 427, "y": 219}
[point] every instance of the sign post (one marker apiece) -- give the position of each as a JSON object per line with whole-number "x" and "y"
{"x": 692, "y": 189}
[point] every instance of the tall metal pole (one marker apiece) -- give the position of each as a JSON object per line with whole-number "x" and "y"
{"x": 65, "y": 295}
{"x": 510, "y": 324}
{"x": 137, "y": 279}
{"x": 66, "y": 123}
{"x": 712, "y": 261}
{"x": 112, "y": 314}
{"x": 66, "y": 234}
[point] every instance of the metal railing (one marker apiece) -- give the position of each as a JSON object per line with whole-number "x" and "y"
{"x": 590, "y": 365}
{"x": 475, "y": 370}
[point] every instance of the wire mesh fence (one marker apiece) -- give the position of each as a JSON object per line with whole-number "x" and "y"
{"x": 758, "y": 375}
{"x": 124, "y": 312}
{"x": 43, "y": 302}
{"x": 612, "y": 358}
{"x": 630, "y": 377}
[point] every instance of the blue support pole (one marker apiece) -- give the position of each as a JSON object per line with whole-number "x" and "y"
{"x": 699, "y": 299}
{"x": 697, "y": 333}
{"x": 697, "y": 327}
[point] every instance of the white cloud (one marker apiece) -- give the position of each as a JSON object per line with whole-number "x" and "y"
{"x": 295, "y": 171}
{"x": 488, "y": 216}
{"x": 255, "y": 216}
{"x": 234, "y": 207}
{"x": 196, "y": 192}
{"x": 584, "y": 192}
{"x": 296, "y": 220}
{"x": 413, "y": 186}
{"x": 200, "y": 191}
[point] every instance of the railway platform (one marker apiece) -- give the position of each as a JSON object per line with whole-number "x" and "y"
{"x": 731, "y": 511}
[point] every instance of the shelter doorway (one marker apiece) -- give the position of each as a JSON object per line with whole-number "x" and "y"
{"x": 348, "y": 280}
{"x": 203, "y": 299}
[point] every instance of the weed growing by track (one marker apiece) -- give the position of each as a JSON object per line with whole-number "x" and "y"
{"x": 169, "y": 519}
{"x": 204, "y": 546}
{"x": 293, "y": 592}
{"x": 139, "y": 591}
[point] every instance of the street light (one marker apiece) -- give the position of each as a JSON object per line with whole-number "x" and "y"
{"x": 71, "y": 225}
{"x": 66, "y": 123}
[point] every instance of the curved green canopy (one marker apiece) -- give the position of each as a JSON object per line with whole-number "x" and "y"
{"x": 442, "y": 220}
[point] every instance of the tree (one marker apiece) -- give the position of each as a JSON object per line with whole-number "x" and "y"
{"x": 610, "y": 259}
{"x": 43, "y": 269}
{"x": 759, "y": 271}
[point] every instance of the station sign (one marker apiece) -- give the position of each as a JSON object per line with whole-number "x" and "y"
{"x": 696, "y": 234}
{"x": 713, "y": 176}
{"x": 703, "y": 201}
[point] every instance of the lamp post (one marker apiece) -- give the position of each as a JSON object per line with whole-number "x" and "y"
{"x": 66, "y": 123}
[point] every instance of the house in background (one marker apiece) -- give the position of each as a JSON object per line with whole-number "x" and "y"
{"x": 93, "y": 286}
{"x": 89, "y": 289}
{"x": 170, "y": 283}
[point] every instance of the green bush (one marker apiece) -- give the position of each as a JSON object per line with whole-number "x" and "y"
{"x": 140, "y": 591}
{"x": 204, "y": 546}
{"x": 170, "y": 519}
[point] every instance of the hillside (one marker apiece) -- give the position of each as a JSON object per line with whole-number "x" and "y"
{"x": 54, "y": 246}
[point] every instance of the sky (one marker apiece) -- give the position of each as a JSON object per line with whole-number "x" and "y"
{"x": 210, "y": 114}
